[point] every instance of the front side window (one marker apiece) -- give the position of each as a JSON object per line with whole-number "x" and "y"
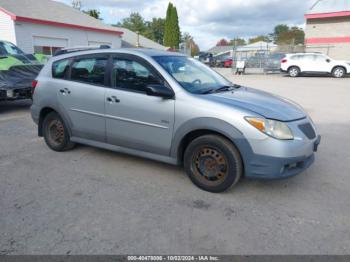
{"x": 309, "y": 57}
{"x": 320, "y": 58}
{"x": 132, "y": 75}
{"x": 89, "y": 70}
{"x": 60, "y": 69}
{"x": 192, "y": 75}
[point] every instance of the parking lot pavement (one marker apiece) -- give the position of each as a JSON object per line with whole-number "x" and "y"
{"x": 92, "y": 201}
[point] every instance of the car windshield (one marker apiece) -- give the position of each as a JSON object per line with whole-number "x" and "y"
{"x": 194, "y": 76}
{"x": 9, "y": 49}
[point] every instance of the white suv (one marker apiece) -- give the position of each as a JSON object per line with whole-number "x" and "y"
{"x": 313, "y": 63}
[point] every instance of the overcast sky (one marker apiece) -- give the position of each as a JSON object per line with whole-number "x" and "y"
{"x": 210, "y": 20}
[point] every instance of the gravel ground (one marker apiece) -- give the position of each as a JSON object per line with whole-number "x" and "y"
{"x": 92, "y": 201}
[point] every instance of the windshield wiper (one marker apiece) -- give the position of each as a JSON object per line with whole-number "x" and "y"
{"x": 225, "y": 88}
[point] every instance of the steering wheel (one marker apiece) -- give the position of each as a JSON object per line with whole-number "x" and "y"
{"x": 197, "y": 82}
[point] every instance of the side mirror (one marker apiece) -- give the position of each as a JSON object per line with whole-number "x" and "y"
{"x": 159, "y": 91}
{"x": 328, "y": 60}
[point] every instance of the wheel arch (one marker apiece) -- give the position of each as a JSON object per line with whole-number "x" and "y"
{"x": 334, "y": 67}
{"x": 43, "y": 113}
{"x": 293, "y": 66}
{"x": 204, "y": 126}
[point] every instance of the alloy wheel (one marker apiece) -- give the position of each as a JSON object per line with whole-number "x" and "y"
{"x": 338, "y": 72}
{"x": 293, "y": 72}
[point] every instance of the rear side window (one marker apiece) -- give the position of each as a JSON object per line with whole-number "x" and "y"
{"x": 89, "y": 70}
{"x": 309, "y": 57}
{"x": 60, "y": 69}
{"x": 297, "y": 57}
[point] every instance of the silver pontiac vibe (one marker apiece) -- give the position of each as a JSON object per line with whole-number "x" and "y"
{"x": 171, "y": 108}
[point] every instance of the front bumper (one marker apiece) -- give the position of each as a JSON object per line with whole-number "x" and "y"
{"x": 266, "y": 167}
{"x": 275, "y": 159}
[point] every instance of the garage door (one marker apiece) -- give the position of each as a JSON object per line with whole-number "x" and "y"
{"x": 48, "y": 45}
{"x": 97, "y": 43}
{"x": 47, "y": 41}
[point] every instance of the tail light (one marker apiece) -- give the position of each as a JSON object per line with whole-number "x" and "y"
{"x": 34, "y": 84}
{"x": 284, "y": 61}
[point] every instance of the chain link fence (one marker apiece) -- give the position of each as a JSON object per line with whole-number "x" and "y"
{"x": 267, "y": 59}
{"x": 263, "y": 60}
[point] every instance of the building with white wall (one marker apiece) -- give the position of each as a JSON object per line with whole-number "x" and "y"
{"x": 43, "y": 26}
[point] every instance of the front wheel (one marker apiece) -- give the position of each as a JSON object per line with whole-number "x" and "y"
{"x": 213, "y": 163}
{"x": 294, "y": 71}
{"x": 55, "y": 133}
{"x": 338, "y": 72}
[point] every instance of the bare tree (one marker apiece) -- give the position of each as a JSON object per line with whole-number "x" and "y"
{"x": 77, "y": 4}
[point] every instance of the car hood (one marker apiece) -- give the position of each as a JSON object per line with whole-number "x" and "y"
{"x": 345, "y": 62}
{"x": 260, "y": 102}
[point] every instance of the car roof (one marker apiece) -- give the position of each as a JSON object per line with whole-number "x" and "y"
{"x": 143, "y": 52}
{"x": 308, "y": 53}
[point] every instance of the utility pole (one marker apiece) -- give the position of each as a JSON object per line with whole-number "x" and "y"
{"x": 138, "y": 39}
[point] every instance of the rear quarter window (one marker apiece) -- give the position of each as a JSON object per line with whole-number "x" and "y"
{"x": 60, "y": 69}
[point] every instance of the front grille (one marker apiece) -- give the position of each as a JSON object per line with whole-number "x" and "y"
{"x": 308, "y": 130}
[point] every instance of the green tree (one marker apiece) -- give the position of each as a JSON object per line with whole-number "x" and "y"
{"x": 259, "y": 38}
{"x": 167, "y": 27}
{"x": 172, "y": 32}
{"x": 94, "y": 13}
{"x": 175, "y": 24}
{"x": 238, "y": 42}
{"x": 278, "y": 30}
{"x": 135, "y": 23}
{"x": 155, "y": 30}
{"x": 294, "y": 36}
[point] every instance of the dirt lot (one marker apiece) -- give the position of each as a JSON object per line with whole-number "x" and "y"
{"x": 92, "y": 201}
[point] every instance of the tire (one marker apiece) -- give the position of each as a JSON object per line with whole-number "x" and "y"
{"x": 338, "y": 72}
{"x": 56, "y": 134}
{"x": 213, "y": 163}
{"x": 294, "y": 71}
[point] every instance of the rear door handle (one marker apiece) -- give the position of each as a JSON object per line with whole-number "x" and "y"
{"x": 113, "y": 99}
{"x": 65, "y": 91}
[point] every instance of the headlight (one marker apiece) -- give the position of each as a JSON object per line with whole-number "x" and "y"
{"x": 271, "y": 128}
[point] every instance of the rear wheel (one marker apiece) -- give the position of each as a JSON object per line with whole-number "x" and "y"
{"x": 338, "y": 72}
{"x": 213, "y": 163}
{"x": 55, "y": 133}
{"x": 293, "y": 71}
